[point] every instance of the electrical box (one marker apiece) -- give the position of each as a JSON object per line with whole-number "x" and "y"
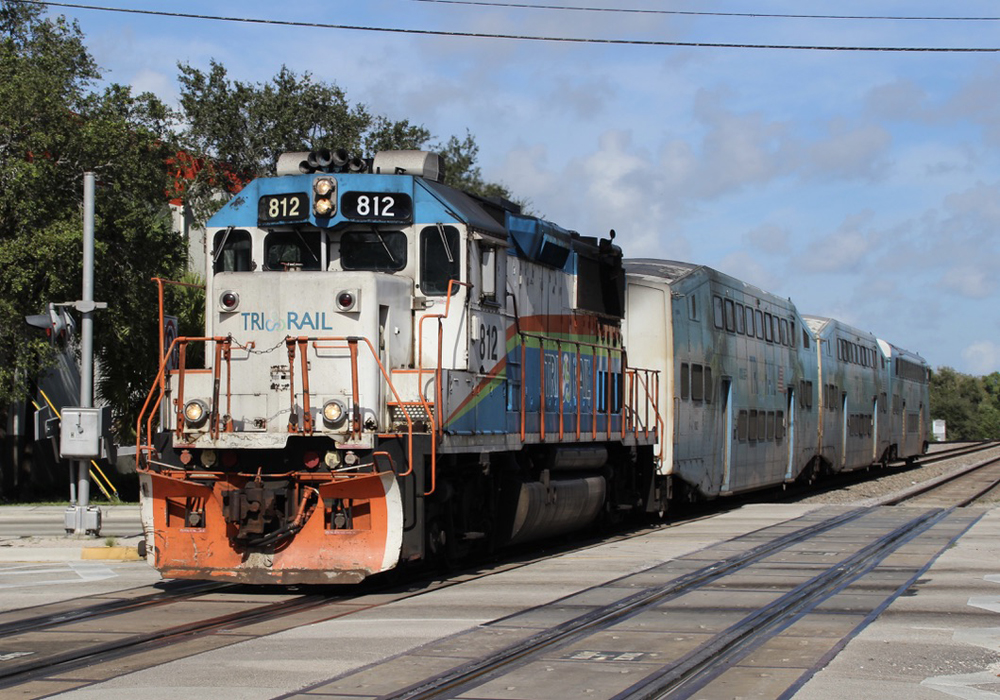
{"x": 84, "y": 431}
{"x": 78, "y": 518}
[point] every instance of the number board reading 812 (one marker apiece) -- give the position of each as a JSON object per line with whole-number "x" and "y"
{"x": 383, "y": 206}
{"x": 282, "y": 207}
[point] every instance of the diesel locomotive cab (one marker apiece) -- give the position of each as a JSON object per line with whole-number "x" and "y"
{"x": 292, "y": 420}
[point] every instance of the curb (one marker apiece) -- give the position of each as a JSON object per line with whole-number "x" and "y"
{"x": 113, "y": 553}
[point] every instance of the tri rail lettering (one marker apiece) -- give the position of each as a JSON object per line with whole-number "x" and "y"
{"x": 293, "y": 321}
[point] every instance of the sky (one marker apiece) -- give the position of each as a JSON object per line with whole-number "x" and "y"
{"x": 863, "y": 185}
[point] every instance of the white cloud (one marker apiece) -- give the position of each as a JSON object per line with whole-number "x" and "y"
{"x": 157, "y": 83}
{"x": 842, "y": 251}
{"x": 747, "y": 268}
{"x": 982, "y": 357}
{"x": 849, "y": 152}
{"x": 969, "y": 280}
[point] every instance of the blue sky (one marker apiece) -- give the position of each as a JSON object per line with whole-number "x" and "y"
{"x": 863, "y": 185}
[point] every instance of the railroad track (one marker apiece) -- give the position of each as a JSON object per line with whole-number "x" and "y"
{"x": 47, "y": 649}
{"x": 805, "y": 588}
{"x": 704, "y": 632}
{"x": 958, "y": 489}
{"x": 958, "y": 450}
{"x": 31, "y": 662}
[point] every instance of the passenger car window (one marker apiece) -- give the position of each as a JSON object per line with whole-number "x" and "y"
{"x": 697, "y": 383}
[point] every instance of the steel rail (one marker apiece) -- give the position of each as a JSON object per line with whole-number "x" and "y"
{"x": 185, "y": 590}
{"x": 733, "y": 643}
{"x": 45, "y": 667}
{"x": 457, "y": 680}
{"x": 948, "y": 479}
{"x": 953, "y": 452}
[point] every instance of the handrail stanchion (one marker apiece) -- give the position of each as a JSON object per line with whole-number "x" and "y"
{"x": 180, "y": 388}
{"x": 292, "y": 417}
{"x": 559, "y": 381}
{"x": 541, "y": 403}
{"x": 216, "y": 390}
{"x": 579, "y": 387}
{"x": 524, "y": 382}
{"x": 307, "y": 421}
{"x": 352, "y": 345}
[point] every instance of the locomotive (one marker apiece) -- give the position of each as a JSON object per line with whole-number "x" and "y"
{"x": 396, "y": 370}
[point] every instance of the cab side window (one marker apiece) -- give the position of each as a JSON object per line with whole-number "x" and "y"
{"x": 440, "y": 258}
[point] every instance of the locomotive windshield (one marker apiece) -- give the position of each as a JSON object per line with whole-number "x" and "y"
{"x": 378, "y": 251}
{"x": 284, "y": 250}
{"x": 233, "y": 251}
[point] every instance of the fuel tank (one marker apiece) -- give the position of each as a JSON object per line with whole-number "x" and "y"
{"x": 554, "y": 507}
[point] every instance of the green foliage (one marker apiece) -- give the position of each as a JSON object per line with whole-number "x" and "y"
{"x": 244, "y": 127}
{"x": 969, "y": 405}
{"x": 55, "y": 124}
{"x": 53, "y": 127}
{"x": 461, "y": 170}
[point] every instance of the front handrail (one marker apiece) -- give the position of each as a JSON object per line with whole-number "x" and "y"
{"x": 160, "y": 281}
{"x": 150, "y": 406}
{"x": 352, "y": 345}
{"x": 438, "y": 394}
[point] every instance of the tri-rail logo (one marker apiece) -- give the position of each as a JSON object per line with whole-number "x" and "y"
{"x": 292, "y": 321}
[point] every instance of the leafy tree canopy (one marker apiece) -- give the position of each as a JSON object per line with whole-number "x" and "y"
{"x": 244, "y": 127}
{"x": 969, "y": 405}
{"x": 54, "y": 126}
{"x": 58, "y": 121}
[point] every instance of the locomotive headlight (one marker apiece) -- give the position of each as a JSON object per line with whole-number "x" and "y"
{"x": 333, "y": 412}
{"x": 229, "y": 300}
{"x": 323, "y": 186}
{"x": 325, "y": 196}
{"x": 323, "y": 207}
{"x": 195, "y": 412}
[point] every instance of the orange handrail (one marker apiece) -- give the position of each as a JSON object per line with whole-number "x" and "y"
{"x": 420, "y": 351}
{"x": 159, "y": 291}
{"x": 352, "y": 344}
{"x": 159, "y": 382}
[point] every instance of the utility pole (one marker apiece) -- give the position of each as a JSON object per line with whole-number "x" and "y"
{"x": 83, "y": 435}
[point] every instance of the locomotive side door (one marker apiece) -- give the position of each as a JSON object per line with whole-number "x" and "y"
{"x": 488, "y": 336}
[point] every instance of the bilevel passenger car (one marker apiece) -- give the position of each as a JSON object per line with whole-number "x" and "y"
{"x": 753, "y": 394}
{"x": 394, "y": 371}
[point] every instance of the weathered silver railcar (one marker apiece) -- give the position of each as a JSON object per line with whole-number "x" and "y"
{"x": 909, "y": 387}
{"x": 739, "y": 377}
{"x": 853, "y": 385}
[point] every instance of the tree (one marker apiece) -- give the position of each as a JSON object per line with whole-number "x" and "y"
{"x": 54, "y": 126}
{"x": 969, "y": 405}
{"x": 242, "y": 128}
